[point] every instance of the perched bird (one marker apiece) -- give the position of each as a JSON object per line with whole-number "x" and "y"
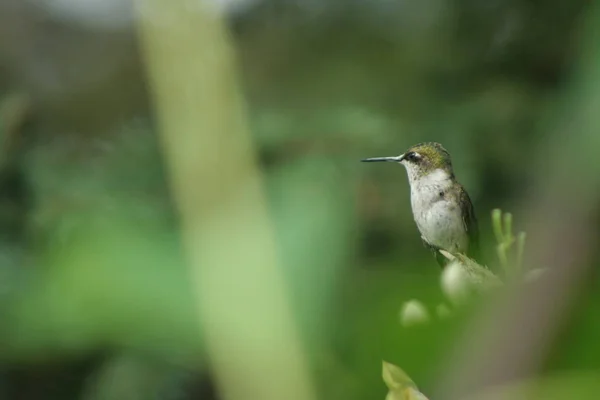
{"x": 441, "y": 207}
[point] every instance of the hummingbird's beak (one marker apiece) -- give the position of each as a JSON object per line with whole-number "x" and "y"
{"x": 381, "y": 159}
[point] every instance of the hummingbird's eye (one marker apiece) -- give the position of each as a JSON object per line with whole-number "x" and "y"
{"x": 412, "y": 156}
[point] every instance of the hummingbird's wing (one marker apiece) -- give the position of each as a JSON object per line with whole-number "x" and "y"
{"x": 470, "y": 222}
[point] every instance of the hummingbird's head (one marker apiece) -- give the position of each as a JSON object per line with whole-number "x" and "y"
{"x": 421, "y": 160}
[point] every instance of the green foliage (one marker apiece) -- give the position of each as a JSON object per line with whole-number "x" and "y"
{"x": 509, "y": 248}
{"x": 400, "y": 386}
{"x": 327, "y": 83}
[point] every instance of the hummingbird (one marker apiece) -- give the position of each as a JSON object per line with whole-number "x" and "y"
{"x": 441, "y": 206}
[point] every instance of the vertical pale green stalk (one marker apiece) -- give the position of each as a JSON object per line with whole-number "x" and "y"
{"x": 251, "y": 339}
{"x": 499, "y": 224}
{"x": 520, "y": 250}
{"x": 502, "y": 226}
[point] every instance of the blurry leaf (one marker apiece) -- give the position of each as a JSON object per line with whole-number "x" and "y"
{"x": 312, "y": 211}
{"x": 116, "y": 281}
{"x": 400, "y": 384}
{"x": 406, "y": 394}
{"x": 394, "y": 377}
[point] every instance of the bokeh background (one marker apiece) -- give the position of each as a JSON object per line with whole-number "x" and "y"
{"x": 99, "y": 296}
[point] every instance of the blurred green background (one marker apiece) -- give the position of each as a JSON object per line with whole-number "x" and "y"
{"x": 97, "y": 301}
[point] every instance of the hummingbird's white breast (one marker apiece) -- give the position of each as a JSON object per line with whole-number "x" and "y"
{"x": 437, "y": 212}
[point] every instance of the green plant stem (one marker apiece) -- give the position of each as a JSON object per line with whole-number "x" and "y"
{"x": 251, "y": 337}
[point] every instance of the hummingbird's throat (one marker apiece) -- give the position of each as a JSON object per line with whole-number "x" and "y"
{"x": 420, "y": 177}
